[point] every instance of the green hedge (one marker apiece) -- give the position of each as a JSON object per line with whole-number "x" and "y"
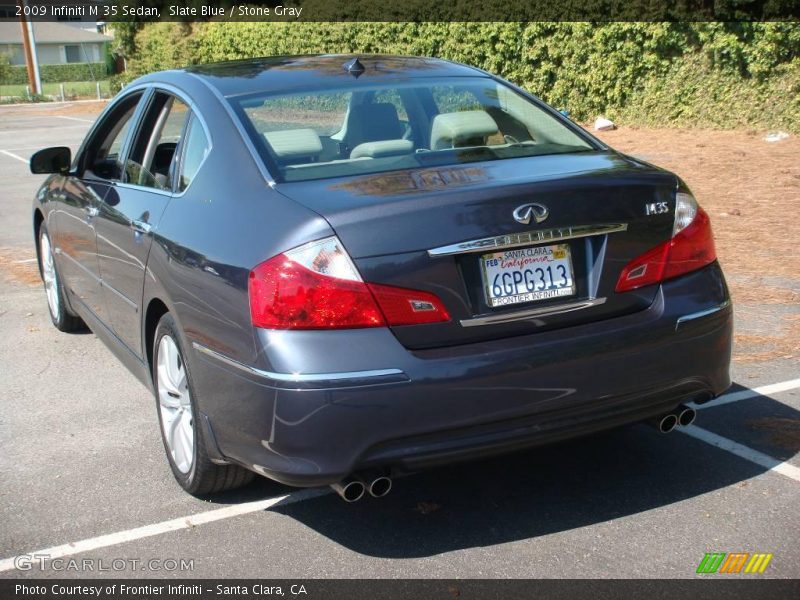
{"x": 59, "y": 73}
{"x": 706, "y": 74}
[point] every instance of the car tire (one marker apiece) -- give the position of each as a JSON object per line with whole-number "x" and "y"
{"x": 60, "y": 314}
{"x": 183, "y": 437}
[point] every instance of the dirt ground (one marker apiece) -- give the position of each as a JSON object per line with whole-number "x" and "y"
{"x": 751, "y": 190}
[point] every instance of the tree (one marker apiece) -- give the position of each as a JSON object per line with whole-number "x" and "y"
{"x": 125, "y": 37}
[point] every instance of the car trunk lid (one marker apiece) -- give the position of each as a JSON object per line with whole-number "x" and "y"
{"x": 414, "y": 228}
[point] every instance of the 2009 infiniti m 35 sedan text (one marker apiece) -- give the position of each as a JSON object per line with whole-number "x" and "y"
{"x": 329, "y": 269}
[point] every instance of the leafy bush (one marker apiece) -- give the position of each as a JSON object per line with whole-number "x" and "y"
{"x": 18, "y": 74}
{"x": 160, "y": 46}
{"x": 709, "y": 74}
{"x": 15, "y": 75}
{"x": 5, "y": 67}
{"x": 692, "y": 92}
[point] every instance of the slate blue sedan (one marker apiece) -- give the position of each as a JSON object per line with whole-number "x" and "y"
{"x": 332, "y": 269}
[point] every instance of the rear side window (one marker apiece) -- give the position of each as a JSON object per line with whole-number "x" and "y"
{"x": 373, "y": 128}
{"x": 196, "y": 149}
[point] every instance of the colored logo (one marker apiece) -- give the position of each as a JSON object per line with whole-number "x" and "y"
{"x": 734, "y": 562}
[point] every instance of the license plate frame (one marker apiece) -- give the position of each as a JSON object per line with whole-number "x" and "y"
{"x": 534, "y": 254}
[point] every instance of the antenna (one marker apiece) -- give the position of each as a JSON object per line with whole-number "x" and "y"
{"x": 354, "y": 67}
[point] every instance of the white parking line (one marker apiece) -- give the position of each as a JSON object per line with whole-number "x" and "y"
{"x": 754, "y": 456}
{"x": 187, "y": 522}
{"x": 120, "y": 537}
{"x": 12, "y": 155}
{"x": 76, "y": 119}
{"x": 49, "y": 105}
{"x": 765, "y": 390}
{"x": 73, "y": 143}
{"x": 48, "y": 129}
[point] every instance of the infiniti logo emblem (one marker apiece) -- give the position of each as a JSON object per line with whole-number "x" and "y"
{"x": 527, "y": 212}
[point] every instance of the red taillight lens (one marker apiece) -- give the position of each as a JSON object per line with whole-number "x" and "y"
{"x": 316, "y": 286}
{"x": 646, "y": 269}
{"x": 402, "y": 306}
{"x": 286, "y": 295}
{"x": 692, "y": 248}
{"x": 688, "y": 250}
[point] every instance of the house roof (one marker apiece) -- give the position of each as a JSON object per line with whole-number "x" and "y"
{"x": 49, "y": 33}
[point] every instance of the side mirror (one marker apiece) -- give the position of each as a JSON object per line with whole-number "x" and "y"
{"x": 52, "y": 160}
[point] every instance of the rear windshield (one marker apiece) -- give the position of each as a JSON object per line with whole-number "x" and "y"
{"x": 430, "y": 122}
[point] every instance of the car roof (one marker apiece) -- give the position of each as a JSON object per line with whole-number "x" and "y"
{"x": 278, "y": 73}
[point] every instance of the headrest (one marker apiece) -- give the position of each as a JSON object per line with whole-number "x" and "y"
{"x": 294, "y": 143}
{"x": 451, "y": 129}
{"x": 163, "y": 156}
{"x": 384, "y": 148}
{"x": 373, "y": 122}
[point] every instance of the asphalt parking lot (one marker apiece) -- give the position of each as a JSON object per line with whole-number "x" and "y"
{"x": 83, "y": 472}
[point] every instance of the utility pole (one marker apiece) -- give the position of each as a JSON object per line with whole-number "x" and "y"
{"x": 29, "y": 49}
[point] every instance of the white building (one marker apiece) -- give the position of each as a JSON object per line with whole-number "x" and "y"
{"x": 56, "y": 43}
{"x": 74, "y": 13}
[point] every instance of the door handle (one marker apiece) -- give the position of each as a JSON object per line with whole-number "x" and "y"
{"x": 141, "y": 226}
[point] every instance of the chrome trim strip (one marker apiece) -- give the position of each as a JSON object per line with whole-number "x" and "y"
{"x": 299, "y": 377}
{"x": 702, "y": 313}
{"x": 522, "y": 315}
{"x": 526, "y": 238}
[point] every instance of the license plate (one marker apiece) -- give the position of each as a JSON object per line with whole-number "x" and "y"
{"x": 527, "y": 274}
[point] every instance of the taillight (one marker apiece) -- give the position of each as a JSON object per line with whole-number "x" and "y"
{"x": 402, "y": 306}
{"x": 691, "y": 248}
{"x": 317, "y": 286}
{"x": 312, "y": 287}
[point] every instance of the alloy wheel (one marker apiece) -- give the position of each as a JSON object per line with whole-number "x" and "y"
{"x": 49, "y": 276}
{"x": 174, "y": 402}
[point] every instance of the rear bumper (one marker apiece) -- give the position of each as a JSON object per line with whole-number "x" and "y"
{"x": 373, "y": 403}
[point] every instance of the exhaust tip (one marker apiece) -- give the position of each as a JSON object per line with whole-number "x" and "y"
{"x": 667, "y": 423}
{"x": 350, "y": 491}
{"x": 686, "y": 416}
{"x": 380, "y": 486}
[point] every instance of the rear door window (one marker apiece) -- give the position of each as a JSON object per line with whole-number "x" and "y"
{"x": 153, "y": 156}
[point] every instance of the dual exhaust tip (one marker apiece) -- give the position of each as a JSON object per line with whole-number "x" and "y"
{"x": 683, "y": 416}
{"x": 356, "y": 487}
